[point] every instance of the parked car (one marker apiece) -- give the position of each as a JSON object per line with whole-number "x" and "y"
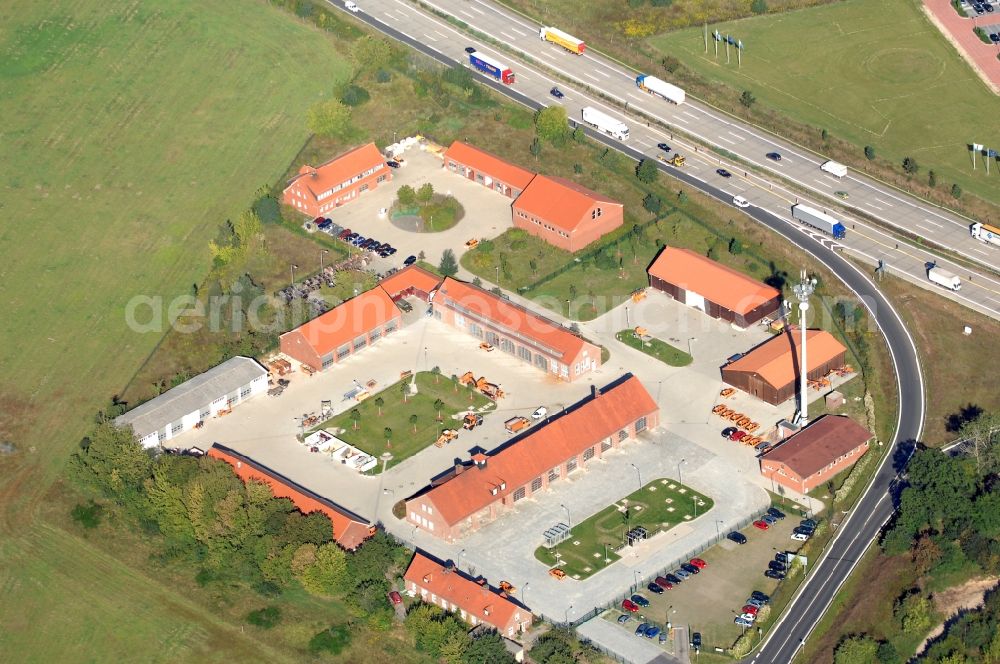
{"x": 803, "y": 530}
{"x": 729, "y": 431}
{"x": 663, "y": 583}
{"x": 640, "y": 600}
{"x": 652, "y": 631}
{"x": 768, "y": 519}
{"x": 738, "y": 436}
{"x": 777, "y": 567}
{"x": 755, "y": 602}
{"x": 750, "y": 609}
{"x": 742, "y": 622}
{"x": 673, "y": 578}
{"x": 641, "y": 629}
{"x": 723, "y": 172}
{"x": 344, "y": 233}
{"x": 624, "y": 618}
{"x": 775, "y": 512}
{"x": 808, "y": 523}
{"x": 739, "y": 538}
{"x": 761, "y": 596}
{"x": 774, "y": 156}
{"x": 681, "y": 573}
{"x": 629, "y": 605}
{"x": 395, "y": 598}
{"x": 410, "y": 260}
{"x": 557, "y": 93}
{"x": 540, "y": 413}
{"x": 760, "y": 525}
{"x": 748, "y": 616}
{"x": 663, "y": 146}
{"x": 654, "y": 588}
{"x": 690, "y": 569}
{"x": 699, "y": 563}
{"x": 800, "y": 537}
{"x": 782, "y": 557}
{"x": 392, "y": 163}
{"x": 772, "y": 574}
{"x": 696, "y": 640}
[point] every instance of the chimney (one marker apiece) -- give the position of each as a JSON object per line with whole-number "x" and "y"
{"x": 480, "y": 460}
{"x": 594, "y": 391}
{"x": 459, "y": 468}
{"x": 428, "y": 577}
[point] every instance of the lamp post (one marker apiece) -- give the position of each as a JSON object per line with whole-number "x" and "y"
{"x": 606, "y": 561}
{"x": 498, "y": 275}
{"x": 803, "y": 290}
{"x": 638, "y": 575}
{"x": 682, "y": 461}
{"x": 458, "y": 563}
{"x": 524, "y": 593}
{"x": 321, "y": 254}
{"x": 690, "y": 339}
{"x": 292, "y": 268}
{"x": 718, "y": 533}
{"x": 638, "y": 474}
{"x": 567, "y": 613}
{"x": 569, "y": 523}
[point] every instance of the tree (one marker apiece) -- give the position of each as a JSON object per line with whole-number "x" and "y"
{"x": 330, "y": 118}
{"x": 735, "y": 246}
{"x": 824, "y": 135}
{"x": 913, "y": 612}
{"x": 448, "y": 265}
{"x": 646, "y": 171}
{"x": 533, "y": 266}
{"x": 116, "y": 462}
{"x": 747, "y": 99}
{"x": 436, "y": 370}
{"x": 355, "y": 416}
{"x": 425, "y": 193}
{"x": 652, "y": 203}
{"x": 855, "y": 649}
{"x": 956, "y": 191}
{"x": 372, "y": 52}
{"x": 682, "y": 197}
{"x": 910, "y": 165}
{"x": 332, "y": 640}
{"x": 983, "y": 433}
{"x": 758, "y": 7}
{"x": 404, "y": 390}
{"x": 554, "y": 647}
{"x": 869, "y": 152}
{"x": 886, "y": 653}
{"x": 413, "y": 422}
{"x": 487, "y": 649}
{"x": 354, "y": 95}
{"x": 327, "y": 572}
{"x": 379, "y": 402}
{"x": 931, "y": 178}
{"x": 387, "y": 432}
{"x": 439, "y": 406}
{"x": 265, "y": 618}
{"x": 406, "y": 196}
{"x": 552, "y": 124}
{"x": 535, "y": 148}
{"x": 926, "y": 554}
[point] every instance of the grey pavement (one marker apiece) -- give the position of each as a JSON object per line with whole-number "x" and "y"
{"x": 624, "y": 643}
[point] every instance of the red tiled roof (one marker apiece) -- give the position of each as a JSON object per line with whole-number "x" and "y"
{"x": 343, "y": 323}
{"x": 713, "y": 281}
{"x": 489, "y": 164}
{"x": 414, "y": 276}
{"x": 774, "y": 360}
{"x": 480, "y": 601}
{"x": 819, "y": 444}
{"x": 507, "y": 315}
{"x": 340, "y": 169}
{"x": 561, "y": 202}
{"x": 544, "y": 448}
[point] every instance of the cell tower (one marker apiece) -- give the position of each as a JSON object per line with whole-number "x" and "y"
{"x": 803, "y": 290}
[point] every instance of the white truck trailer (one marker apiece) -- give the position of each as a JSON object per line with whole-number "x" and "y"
{"x": 818, "y": 220}
{"x": 660, "y": 88}
{"x": 985, "y": 233}
{"x": 944, "y": 278}
{"x": 834, "y": 168}
{"x": 606, "y": 123}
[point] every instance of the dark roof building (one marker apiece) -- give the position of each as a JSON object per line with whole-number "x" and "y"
{"x": 817, "y": 453}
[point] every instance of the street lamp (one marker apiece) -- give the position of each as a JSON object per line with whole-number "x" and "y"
{"x": 459, "y": 563}
{"x": 682, "y": 461}
{"x": 637, "y": 474}
{"x": 293, "y": 267}
{"x": 321, "y": 254}
{"x": 638, "y": 575}
{"x": 498, "y": 275}
{"x": 524, "y": 592}
{"x": 567, "y": 613}
{"x": 690, "y": 339}
{"x": 718, "y": 533}
{"x": 569, "y": 524}
{"x": 803, "y": 290}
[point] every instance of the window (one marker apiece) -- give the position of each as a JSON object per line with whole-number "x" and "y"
{"x": 359, "y": 343}
{"x": 374, "y": 336}
{"x": 244, "y": 392}
{"x": 605, "y": 444}
{"x": 524, "y": 354}
{"x": 203, "y": 415}
{"x": 161, "y": 435}
{"x": 518, "y": 494}
{"x": 343, "y": 351}
{"x": 430, "y": 510}
{"x": 176, "y": 428}
{"x": 390, "y": 327}
{"x": 588, "y": 454}
{"x": 622, "y": 435}
{"x": 507, "y": 346}
{"x": 476, "y": 330}
{"x": 363, "y": 188}
{"x": 553, "y": 475}
{"x": 327, "y": 360}
{"x": 423, "y": 508}
{"x": 380, "y": 178}
{"x": 571, "y": 465}
{"x": 492, "y": 338}
{"x": 536, "y": 484}
{"x": 541, "y": 362}
{"x": 640, "y": 424}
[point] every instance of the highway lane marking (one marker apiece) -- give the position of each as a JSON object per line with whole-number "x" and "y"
{"x": 883, "y": 202}
{"x": 933, "y": 223}
{"x": 822, "y": 182}
{"x": 429, "y": 37}
{"x": 723, "y": 138}
{"x": 602, "y": 73}
{"x": 476, "y": 9}
{"x": 742, "y": 138}
{"x": 681, "y": 120}
{"x": 593, "y": 78}
{"x": 443, "y": 36}
{"x": 690, "y": 115}
{"x": 523, "y": 34}
{"x": 462, "y": 11}
{"x": 511, "y": 37}
{"x": 872, "y": 205}
{"x": 924, "y": 228}
{"x": 978, "y": 250}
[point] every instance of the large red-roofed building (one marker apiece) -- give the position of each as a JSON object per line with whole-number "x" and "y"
{"x": 486, "y": 169}
{"x": 565, "y": 214}
{"x": 476, "y": 494}
{"x": 317, "y": 190}
{"x": 513, "y": 329}
{"x": 814, "y": 455}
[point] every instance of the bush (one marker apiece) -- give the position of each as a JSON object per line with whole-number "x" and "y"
{"x": 652, "y": 203}
{"x": 735, "y": 246}
{"x": 88, "y": 516}
{"x": 956, "y": 191}
{"x": 747, "y": 99}
{"x": 661, "y": 3}
{"x": 910, "y": 165}
{"x": 758, "y": 7}
{"x": 382, "y": 76}
{"x": 646, "y": 171}
{"x": 869, "y": 152}
{"x": 265, "y": 618}
{"x": 983, "y": 36}
{"x": 671, "y": 64}
{"x": 332, "y": 640}
{"x": 354, "y": 95}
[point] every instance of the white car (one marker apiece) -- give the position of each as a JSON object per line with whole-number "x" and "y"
{"x": 800, "y": 537}
{"x": 350, "y": 6}
{"x": 740, "y": 202}
{"x": 749, "y": 617}
{"x": 540, "y": 413}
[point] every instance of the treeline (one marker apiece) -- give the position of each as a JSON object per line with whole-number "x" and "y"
{"x": 948, "y": 524}
{"x": 231, "y": 532}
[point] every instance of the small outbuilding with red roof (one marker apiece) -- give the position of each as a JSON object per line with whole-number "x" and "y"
{"x": 719, "y": 291}
{"x": 318, "y": 190}
{"x": 566, "y": 214}
{"x": 816, "y": 454}
{"x": 487, "y": 169}
{"x": 411, "y": 281}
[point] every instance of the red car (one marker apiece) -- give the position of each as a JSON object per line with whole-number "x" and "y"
{"x": 699, "y": 563}
{"x": 395, "y": 598}
{"x": 738, "y": 436}
{"x": 629, "y": 605}
{"x": 760, "y": 525}
{"x": 663, "y": 583}
{"x": 751, "y": 609}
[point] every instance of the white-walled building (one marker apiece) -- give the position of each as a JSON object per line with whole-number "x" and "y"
{"x": 193, "y": 401}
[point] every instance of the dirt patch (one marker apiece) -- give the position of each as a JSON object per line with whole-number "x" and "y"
{"x": 968, "y": 595}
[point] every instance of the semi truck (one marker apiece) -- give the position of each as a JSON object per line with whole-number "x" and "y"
{"x": 944, "y": 278}
{"x": 568, "y": 42}
{"x": 491, "y": 67}
{"x": 606, "y": 123}
{"x": 818, "y": 220}
{"x": 985, "y": 233}
{"x": 660, "y": 88}
{"x": 834, "y": 168}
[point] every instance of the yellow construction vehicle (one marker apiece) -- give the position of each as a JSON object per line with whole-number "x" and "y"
{"x": 471, "y": 421}
{"x": 447, "y": 435}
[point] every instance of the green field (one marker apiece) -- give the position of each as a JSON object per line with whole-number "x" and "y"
{"x": 657, "y": 506}
{"x": 872, "y": 73}
{"x": 407, "y": 438}
{"x": 131, "y": 132}
{"x": 661, "y": 350}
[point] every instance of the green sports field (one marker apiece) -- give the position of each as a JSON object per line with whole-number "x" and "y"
{"x": 873, "y": 73}
{"x": 131, "y": 131}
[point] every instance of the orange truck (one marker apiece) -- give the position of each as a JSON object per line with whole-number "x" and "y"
{"x": 515, "y": 424}
{"x": 560, "y": 38}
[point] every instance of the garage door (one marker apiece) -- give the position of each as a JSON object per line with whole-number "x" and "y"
{"x": 694, "y": 300}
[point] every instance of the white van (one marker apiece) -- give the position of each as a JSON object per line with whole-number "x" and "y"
{"x": 350, "y": 6}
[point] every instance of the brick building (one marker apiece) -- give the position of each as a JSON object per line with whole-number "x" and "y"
{"x": 317, "y": 190}
{"x": 439, "y": 583}
{"x": 565, "y": 214}
{"x": 476, "y": 493}
{"x": 343, "y": 331}
{"x": 711, "y": 287}
{"x": 513, "y": 329}
{"x": 771, "y": 370}
{"x": 816, "y": 454}
{"x": 411, "y": 281}
{"x": 488, "y": 170}
{"x": 349, "y": 529}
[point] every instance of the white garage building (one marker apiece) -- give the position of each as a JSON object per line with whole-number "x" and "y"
{"x": 204, "y": 396}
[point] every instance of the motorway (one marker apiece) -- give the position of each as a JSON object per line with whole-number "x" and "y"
{"x": 595, "y": 80}
{"x": 857, "y": 532}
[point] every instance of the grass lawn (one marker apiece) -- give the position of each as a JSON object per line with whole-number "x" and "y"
{"x": 658, "y": 506}
{"x": 873, "y": 73}
{"x": 132, "y": 131}
{"x": 661, "y": 350}
{"x": 396, "y": 413}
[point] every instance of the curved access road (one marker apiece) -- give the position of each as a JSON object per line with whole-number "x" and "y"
{"x": 875, "y": 507}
